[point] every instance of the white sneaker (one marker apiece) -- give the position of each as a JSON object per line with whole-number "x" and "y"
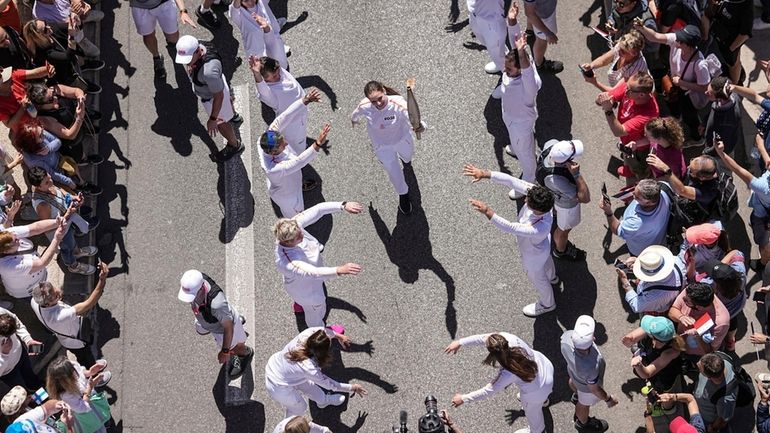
{"x": 491, "y": 68}
{"x": 515, "y": 195}
{"x": 760, "y": 25}
{"x": 287, "y": 50}
{"x": 498, "y": 92}
{"x": 333, "y": 400}
{"x": 535, "y": 309}
{"x": 82, "y": 268}
{"x": 281, "y": 22}
{"x": 85, "y": 252}
{"x": 522, "y": 430}
{"x": 510, "y": 151}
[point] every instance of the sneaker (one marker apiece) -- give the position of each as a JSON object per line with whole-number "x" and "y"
{"x": 297, "y": 308}
{"x": 574, "y": 398}
{"x": 491, "y": 68}
{"x": 85, "y": 252}
{"x": 339, "y": 329}
{"x": 551, "y": 67}
{"x": 523, "y": 430}
{"x": 510, "y": 152}
{"x": 404, "y": 204}
{"x": 535, "y": 309}
{"x": 592, "y": 425}
{"x": 159, "y": 67}
{"x": 287, "y": 50}
{"x": 106, "y": 377}
{"x": 81, "y": 268}
{"x": 498, "y": 92}
{"x": 331, "y": 399}
{"x": 760, "y": 24}
{"x": 237, "y": 120}
{"x": 200, "y": 329}
{"x": 90, "y": 189}
{"x": 572, "y": 253}
{"x": 309, "y": 184}
{"x": 764, "y": 378}
{"x": 207, "y": 19}
{"x": 556, "y": 281}
{"x": 530, "y": 37}
{"x": 625, "y": 171}
{"x": 236, "y": 367}
{"x": 281, "y": 22}
{"x": 515, "y": 195}
{"x": 230, "y": 151}
{"x": 92, "y": 65}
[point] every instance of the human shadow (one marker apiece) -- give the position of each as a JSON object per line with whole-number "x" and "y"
{"x": 554, "y": 120}
{"x": 454, "y": 11}
{"x": 108, "y": 329}
{"x": 301, "y": 18}
{"x": 234, "y": 189}
{"x": 496, "y": 127}
{"x": 109, "y": 234}
{"x": 307, "y": 81}
{"x": 226, "y": 44}
{"x": 608, "y": 255}
{"x": 179, "y": 121}
{"x": 596, "y": 45}
{"x": 248, "y": 417}
{"x": 585, "y": 19}
{"x": 409, "y": 247}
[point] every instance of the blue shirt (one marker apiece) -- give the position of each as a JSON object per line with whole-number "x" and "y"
{"x": 50, "y": 161}
{"x": 646, "y": 299}
{"x": 640, "y": 228}
{"x": 759, "y": 200}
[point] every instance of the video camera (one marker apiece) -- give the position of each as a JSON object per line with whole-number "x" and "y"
{"x": 428, "y": 423}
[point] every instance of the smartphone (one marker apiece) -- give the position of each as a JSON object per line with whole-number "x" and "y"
{"x": 604, "y": 192}
{"x": 36, "y": 349}
{"x": 759, "y": 297}
{"x": 620, "y": 264}
{"x": 588, "y": 73}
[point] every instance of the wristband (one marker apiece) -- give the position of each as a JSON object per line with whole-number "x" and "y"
{"x": 225, "y": 351}
{"x": 183, "y": 11}
{"x": 343, "y": 205}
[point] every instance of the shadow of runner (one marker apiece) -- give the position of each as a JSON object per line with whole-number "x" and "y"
{"x": 409, "y": 247}
{"x": 243, "y": 418}
{"x": 234, "y": 189}
{"x": 308, "y": 81}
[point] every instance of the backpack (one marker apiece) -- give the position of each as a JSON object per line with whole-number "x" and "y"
{"x": 211, "y": 54}
{"x": 727, "y": 202}
{"x": 214, "y": 290}
{"x": 543, "y": 172}
{"x": 679, "y": 218}
{"x": 746, "y": 393}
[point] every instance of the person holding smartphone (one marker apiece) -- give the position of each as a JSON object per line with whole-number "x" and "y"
{"x": 15, "y": 366}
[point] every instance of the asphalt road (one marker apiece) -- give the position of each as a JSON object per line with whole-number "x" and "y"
{"x": 442, "y": 272}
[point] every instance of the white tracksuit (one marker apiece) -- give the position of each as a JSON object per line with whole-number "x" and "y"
{"x": 487, "y": 19}
{"x": 275, "y": 46}
{"x": 302, "y": 266}
{"x": 314, "y": 428}
{"x": 279, "y": 96}
{"x": 254, "y": 38}
{"x": 284, "y": 171}
{"x": 391, "y": 135}
{"x": 519, "y": 104}
{"x": 287, "y": 381}
{"x": 533, "y": 234}
{"x": 533, "y": 394}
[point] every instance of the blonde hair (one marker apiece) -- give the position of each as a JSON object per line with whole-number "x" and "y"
{"x": 632, "y": 41}
{"x": 6, "y": 239}
{"x": 34, "y": 38}
{"x": 286, "y": 230}
{"x": 297, "y": 424}
{"x": 61, "y": 378}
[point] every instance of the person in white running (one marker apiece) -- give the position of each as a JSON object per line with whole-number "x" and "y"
{"x": 487, "y": 19}
{"x": 533, "y": 234}
{"x": 276, "y": 48}
{"x": 295, "y": 372}
{"x": 298, "y": 259}
{"x": 282, "y": 166}
{"x": 518, "y": 91}
{"x": 254, "y": 25}
{"x": 278, "y": 89}
{"x": 298, "y": 424}
{"x": 529, "y": 369}
{"x": 387, "y": 123}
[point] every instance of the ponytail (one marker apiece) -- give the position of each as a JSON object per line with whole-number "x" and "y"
{"x": 513, "y": 359}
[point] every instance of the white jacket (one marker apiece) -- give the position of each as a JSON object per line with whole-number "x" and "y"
{"x": 519, "y": 99}
{"x": 388, "y": 126}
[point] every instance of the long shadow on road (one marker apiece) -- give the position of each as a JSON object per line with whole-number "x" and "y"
{"x": 242, "y": 418}
{"x": 409, "y": 247}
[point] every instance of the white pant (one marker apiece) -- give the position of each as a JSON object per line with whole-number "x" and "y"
{"x": 389, "y": 156}
{"x": 522, "y": 136}
{"x": 276, "y": 49}
{"x": 145, "y": 20}
{"x": 314, "y": 313}
{"x": 491, "y": 32}
{"x": 541, "y": 271}
{"x": 290, "y": 205}
{"x": 292, "y": 398}
{"x": 532, "y": 403}
{"x": 226, "y": 113}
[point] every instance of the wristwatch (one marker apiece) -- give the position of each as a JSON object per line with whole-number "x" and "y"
{"x": 609, "y": 113}
{"x": 667, "y": 172}
{"x": 225, "y": 351}
{"x": 182, "y": 11}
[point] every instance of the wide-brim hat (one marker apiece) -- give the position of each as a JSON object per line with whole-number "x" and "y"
{"x": 654, "y": 264}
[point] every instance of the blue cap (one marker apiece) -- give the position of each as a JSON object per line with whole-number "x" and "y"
{"x": 661, "y": 328}
{"x": 25, "y": 426}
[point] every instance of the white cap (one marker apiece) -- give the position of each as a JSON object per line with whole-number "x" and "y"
{"x": 583, "y": 334}
{"x": 6, "y": 74}
{"x": 190, "y": 283}
{"x": 565, "y": 150}
{"x": 186, "y": 46}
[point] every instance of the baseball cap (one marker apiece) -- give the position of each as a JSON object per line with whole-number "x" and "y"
{"x": 702, "y": 234}
{"x": 6, "y": 74}
{"x": 583, "y": 333}
{"x": 661, "y": 328}
{"x": 680, "y": 425}
{"x": 12, "y": 402}
{"x": 720, "y": 271}
{"x": 190, "y": 283}
{"x": 689, "y": 35}
{"x": 185, "y": 48}
{"x": 565, "y": 150}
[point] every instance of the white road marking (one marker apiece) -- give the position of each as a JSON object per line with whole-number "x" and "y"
{"x": 239, "y": 252}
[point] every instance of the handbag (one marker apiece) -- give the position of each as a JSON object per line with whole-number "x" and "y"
{"x": 92, "y": 421}
{"x": 672, "y": 93}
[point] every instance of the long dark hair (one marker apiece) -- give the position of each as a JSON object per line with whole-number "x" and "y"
{"x": 376, "y": 85}
{"x": 316, "y": 346}
{"x": 513, "y": 359}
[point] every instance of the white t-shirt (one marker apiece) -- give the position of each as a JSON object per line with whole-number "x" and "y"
{"x": 62, "y": 319}
{"x": 9, "y": 360}
{"x": 37, "y": 417}
{"x": 388, "y": 126}
{"x": 253, "y": 36}
{"x": 486, "y": 8}
{"x": 697, "y": 72}
{"x": 15, "y": 269}
{"x": 75, "y": 401}
{"x": 314, "y": 428}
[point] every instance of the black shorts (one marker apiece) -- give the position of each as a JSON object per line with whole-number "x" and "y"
{"x": 759, "y": 229}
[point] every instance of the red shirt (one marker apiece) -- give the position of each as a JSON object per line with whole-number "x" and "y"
{"x": 9, "y": 105}
{"x": 633, "y": 117}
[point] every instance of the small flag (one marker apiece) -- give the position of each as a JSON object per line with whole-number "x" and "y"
{"x": 703, "y": 324}
{"x": 40, "y": 396}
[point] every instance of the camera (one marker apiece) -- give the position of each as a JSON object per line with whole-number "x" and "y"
{"x": 428, "y": 423}
{"x": 588, "y": 73}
